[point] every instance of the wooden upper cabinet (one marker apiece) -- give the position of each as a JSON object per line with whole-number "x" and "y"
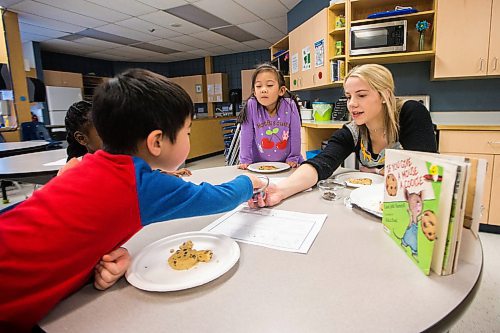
{"x": 302, "y": 42}
{"x": 494, "y": 54}
{"x": 62, "y": 79}
{"x": 463, "y": 38}
{"x": 194, "y": 85}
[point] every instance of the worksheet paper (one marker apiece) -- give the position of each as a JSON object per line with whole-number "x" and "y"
{"x": 60, "y": 162}
{"x": 273, "y": 228}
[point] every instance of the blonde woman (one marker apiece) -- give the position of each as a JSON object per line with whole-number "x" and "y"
{"x": 378, "y": 122}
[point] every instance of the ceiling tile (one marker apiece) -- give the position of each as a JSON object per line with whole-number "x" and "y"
{"x": 66, "y": 47}
{"x": 97, "y": 43}
{"x": 164, "y": 4}
{"x": 28, "y": 28}
{"x": 8, "y": 3}
{"x": 227, "y": 10}
{"x": 27, "y": 37}
{"x": 173, "y": 45}
{"x": 238, "y": 47}
{"x": 130, "y": 51}
{"x": 219, "y": 50}
{"x": 105, "y": 56}
{"x": 172, "y": 22}
{"x": 258, "y": 44}
{"x": 148, "y": 28}
{"x": 88, "y": 9}
{"x": 101, "y": 35}
{"x": 290, "y": 3}
{"x": 200, "y": 53}
{"x": 279, "y": 23}
{"x": 261, "y": 29}
{"x": 130, "y": 7}
{"x": 154, "y": 48}
{"x": 48, "y": 23}
{"x": 188, "y": 40}
{"x": 212, "y": 37}
{"x": 44, "y": 10}
{"x": 235, "y": 33}
{"x": 126, "y": 32}
{"x": 264, "y": 8}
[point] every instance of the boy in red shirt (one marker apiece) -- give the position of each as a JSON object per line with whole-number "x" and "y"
{"x": 50, "y": 243}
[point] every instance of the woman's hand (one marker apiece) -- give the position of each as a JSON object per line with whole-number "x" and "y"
{"x": 111, "y": 267}
{"x": 243, "y": 166}
{"x": 292, "y": 164}
{"x": 272, "y": 197}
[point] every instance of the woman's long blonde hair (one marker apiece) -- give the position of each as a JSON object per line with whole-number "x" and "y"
{"x": 380, "y": 79}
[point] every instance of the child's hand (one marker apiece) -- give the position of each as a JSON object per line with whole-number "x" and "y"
{"x": 362, "y": 168}
{"x": 243, "y": 166}
{"x": 292, "y": 164}
{"x": 177, "y": 173}
{"x": 71, "y": 163}
{"x": 111, "y": 267}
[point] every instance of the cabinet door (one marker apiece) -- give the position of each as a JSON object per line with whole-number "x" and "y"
{"x": 296, "y": 41}
{"x": 494, "y": 54}
{"x": 494, "y": 216}
{"x": 319, "y": 29}
{"x": 462, "y": 38}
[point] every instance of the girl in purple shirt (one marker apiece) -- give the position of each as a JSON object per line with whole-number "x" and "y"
{"x": 270, "y": 122}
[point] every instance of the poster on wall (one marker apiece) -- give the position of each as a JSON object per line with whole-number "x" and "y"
{"x": 306, "y": 58}
{"x": 295, "y": 63}
{"x": 319, "y": 53}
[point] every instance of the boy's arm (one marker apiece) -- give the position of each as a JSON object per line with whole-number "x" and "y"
{"x": 295, "y": 137}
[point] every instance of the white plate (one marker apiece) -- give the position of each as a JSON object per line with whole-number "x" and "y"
{"x": 280, "y": 166}
{"x": 369, "y": 198}
{"x": 150, "y": 270}
{"x": 376, "y": 179}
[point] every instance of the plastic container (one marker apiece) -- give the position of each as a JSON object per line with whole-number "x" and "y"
{"x": 331, "y": 189}
{"x": 311, "y": 153}
{"x": 322, "y": 111}
{"x": 306, "y": 114}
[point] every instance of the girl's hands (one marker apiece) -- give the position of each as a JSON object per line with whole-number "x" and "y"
{"x": 292, "y": 164}
{"x": 362, "y": 168}
{"x": 243, "y": 166}
{"x": 111, "y": 267}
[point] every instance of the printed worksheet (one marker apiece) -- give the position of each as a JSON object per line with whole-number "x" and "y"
{"x": 273, "y": 228}
{"x": 60, "y": 162}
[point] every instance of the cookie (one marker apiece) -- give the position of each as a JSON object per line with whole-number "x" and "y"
{"x": 187, "y": 257}
{"x": 360, "y": 181}
{"x": 391, "y": 185}
{"x": 428, "y": 223}
{"x": 204, "y": 256}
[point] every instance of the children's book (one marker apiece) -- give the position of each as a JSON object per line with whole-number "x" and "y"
{"x": 418, "y": 196}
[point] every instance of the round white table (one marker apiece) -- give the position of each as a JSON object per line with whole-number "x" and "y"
{"x": 31, "y": 167}
{"x": 354, "y": 279}
{"x": 22, "y": 147}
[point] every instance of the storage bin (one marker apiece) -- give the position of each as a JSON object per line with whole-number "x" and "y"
{"x": 311, "y": 153}
{"x": 322, "y": 111}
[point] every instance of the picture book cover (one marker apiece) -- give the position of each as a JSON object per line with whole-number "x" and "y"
{"x": 412, "y": 197}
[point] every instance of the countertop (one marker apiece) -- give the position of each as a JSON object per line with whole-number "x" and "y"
{"x": 467, "y": 121}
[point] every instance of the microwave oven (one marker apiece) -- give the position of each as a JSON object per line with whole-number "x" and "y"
{"x": 379, "y": 38}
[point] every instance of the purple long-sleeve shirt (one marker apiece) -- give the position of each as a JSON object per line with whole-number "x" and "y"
{"x": 271, "y": 139}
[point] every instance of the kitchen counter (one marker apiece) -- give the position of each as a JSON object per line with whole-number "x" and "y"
{"x": 467, "y": 121}
{"x": 334, "y": 124}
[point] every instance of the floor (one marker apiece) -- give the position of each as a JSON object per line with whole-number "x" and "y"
{"x": 482, "y": 316}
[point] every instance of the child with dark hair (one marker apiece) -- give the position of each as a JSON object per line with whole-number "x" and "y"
{"x": 270, "y": 121}
{"x": 52, "y": 241}
{"x": 81, "y": 135}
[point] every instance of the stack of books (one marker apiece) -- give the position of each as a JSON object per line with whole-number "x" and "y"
{"x": 337, "y": 70}
{"x": 428, "y": 201}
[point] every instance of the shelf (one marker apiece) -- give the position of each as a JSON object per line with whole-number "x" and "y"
{"x": 337, "y": 6}
{"x": 338, "y": 57}
{"x": 393, "y": 57}
{"x": 428, "y": 14}
{"x": 336, "y": 32}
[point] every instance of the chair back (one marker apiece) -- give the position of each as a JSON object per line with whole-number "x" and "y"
{"x": 35, "y": 130}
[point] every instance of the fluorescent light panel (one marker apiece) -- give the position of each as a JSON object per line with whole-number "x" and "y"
{"x": 96, "y": 34}
{"x": 154, "y": 48}
{"x": 197, "y": 16}
{"x": 235, "y": 33}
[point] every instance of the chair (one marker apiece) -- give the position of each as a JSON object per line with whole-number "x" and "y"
{"x": 228, "y": 129}
{"x": 34, "y": 130}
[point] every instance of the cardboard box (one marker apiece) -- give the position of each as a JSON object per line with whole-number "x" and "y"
{"x": 194, "y": 85}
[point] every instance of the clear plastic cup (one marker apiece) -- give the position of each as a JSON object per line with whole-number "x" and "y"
{"x": 331, "y": 189}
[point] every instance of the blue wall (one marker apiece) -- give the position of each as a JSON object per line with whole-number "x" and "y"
{"x": 232, "y": 64}
{"x": 413, "y": 78}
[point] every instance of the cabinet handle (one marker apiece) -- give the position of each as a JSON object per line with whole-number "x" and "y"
{"x": 495, "y": 63}
{"x": 494, "y": 143}
{"x": 481, "y": 64}
{"x": 314, "y": 78}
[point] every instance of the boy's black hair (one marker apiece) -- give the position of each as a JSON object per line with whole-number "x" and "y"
{"x": 78, "y": 118}
{"x": 134, "y": 103}
{"x": 267, "y": 67}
